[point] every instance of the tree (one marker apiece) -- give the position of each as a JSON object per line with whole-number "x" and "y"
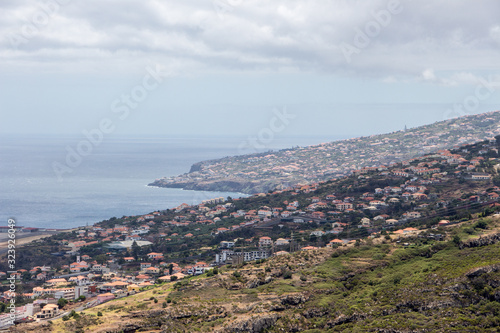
{"x": 135, "y": 250}
{"x": 101, "y": 258}
{"x": 62, "y": 302}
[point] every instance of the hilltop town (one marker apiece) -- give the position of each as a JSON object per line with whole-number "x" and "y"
{"x": 124, "y": 256}
{"x": 304, "y": 165}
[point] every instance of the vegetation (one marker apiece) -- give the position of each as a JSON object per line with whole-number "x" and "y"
{"x": 402, "y": 284}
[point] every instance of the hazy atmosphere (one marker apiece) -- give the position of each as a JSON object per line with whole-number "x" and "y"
{"x": 226, "y": 67}
{"x": 249, "y": 166}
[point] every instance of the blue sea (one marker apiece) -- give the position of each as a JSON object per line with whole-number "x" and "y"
{"x": 110, "y": 179}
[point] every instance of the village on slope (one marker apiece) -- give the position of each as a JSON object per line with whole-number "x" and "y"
{"x": 124, "y": 268}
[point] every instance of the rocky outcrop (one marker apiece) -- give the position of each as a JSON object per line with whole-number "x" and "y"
{"x": 315, "y": 313}
{"x": 343, "y": 319}
{"x": 483, "y": 270}
{"x": 481, "y": 241}
{"x": 294, "y": 299}
{"x": 252, "y": 325}
{"x": 258, "y": 282}
{"x": 181, "y": 312}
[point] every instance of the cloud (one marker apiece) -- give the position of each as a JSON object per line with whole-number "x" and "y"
{"x": 253, "y": 36}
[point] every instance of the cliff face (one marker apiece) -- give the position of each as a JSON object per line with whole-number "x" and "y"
{"x": 247, "y": 187}
{"x": 196, "y": 167}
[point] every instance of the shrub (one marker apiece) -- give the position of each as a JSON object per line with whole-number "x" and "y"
{"x": 236, "y": 274}
{"x": 62, "y": 302}
{"x": 66, "y": 318}
{"x": 469, "y": 231}
{"x": 481, "y": 225}
{"x": 99, "y": 314}
{"x": 287, "y": 275}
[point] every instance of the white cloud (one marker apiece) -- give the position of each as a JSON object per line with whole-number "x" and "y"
{"x": 258, "y": 35}
{"x": 495, "y": 33}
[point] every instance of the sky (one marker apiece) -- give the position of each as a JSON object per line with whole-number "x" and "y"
{"x": 252, "y": 67}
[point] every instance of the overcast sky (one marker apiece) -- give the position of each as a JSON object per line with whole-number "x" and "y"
{"x": 189, "y": 67}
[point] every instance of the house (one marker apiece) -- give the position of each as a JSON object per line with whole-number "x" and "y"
{"x": 226, "y": 244}
{"x": 307, "y": 248}
{"x": 335, "y": 242}
{"x": 265, "y": 241}
{"x": 365, "y": 222}
{"x": 155, "y": 256}
{"x": 133, "y": 287}
{"x": 145, "y": 265}
{"x": 493, "y": 196}
{"x": 480, "y": 176}
{"x": 344, "y": 206}
{"x": 142, "y": 277}
{"x": 152, "y": 270}
{"x": 105, "y": 297}
{"x": 281, "y": 241}
{"x": 443, "y": 222}
{"x": 419, "y": 196}
{"x": 391, "y": 221}
{"x": 412, "y": 215}
{"x": 410, "y": 230}
{"x": 264, "y": 213}
{"x": 99, "y": 268}
{"x": 54, "y": 282}
{"x": 48, "y": 311}
{"x": 82, "y": 280}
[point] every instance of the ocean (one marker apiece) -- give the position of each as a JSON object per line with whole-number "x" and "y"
{"x": 111, "y": 177}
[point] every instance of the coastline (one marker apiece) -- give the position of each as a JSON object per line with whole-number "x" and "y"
{"x": 24, "y": 238}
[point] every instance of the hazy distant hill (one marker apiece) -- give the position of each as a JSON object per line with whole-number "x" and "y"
{"x": 280, "y": 169}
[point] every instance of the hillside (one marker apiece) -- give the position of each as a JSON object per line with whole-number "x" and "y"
{"x": 288, "y": 167}
{"x": 335, "y": 255}
{"x": 384, "y": 284}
